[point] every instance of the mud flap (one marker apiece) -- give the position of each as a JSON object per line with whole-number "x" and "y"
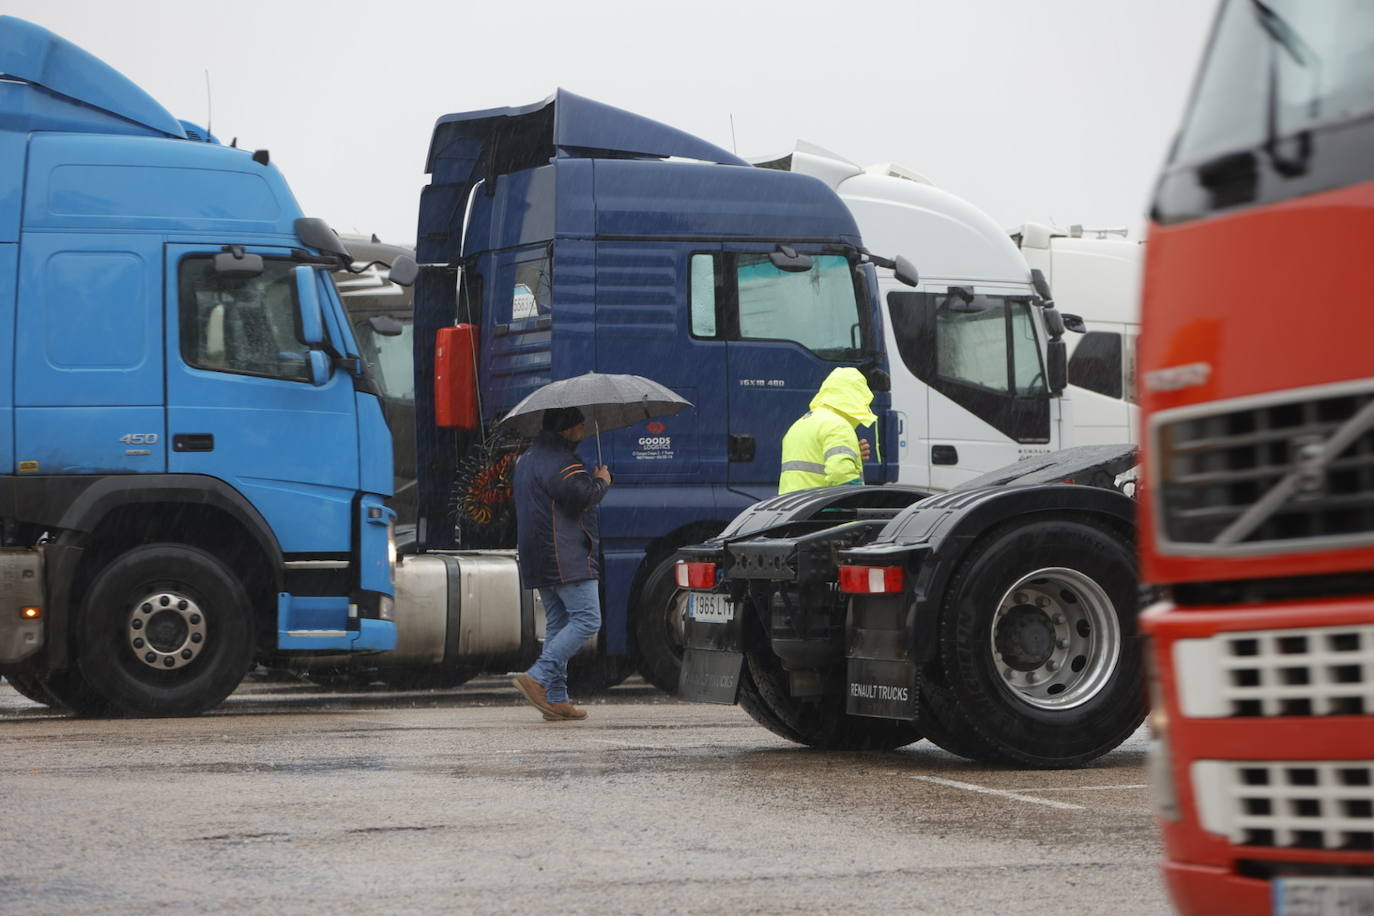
{"x": 882, "y": 688}
{"x": 711, "y": 656}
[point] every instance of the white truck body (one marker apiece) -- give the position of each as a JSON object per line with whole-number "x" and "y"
{"x": 953, "y": 244}
{"x": 1099, "y": 280}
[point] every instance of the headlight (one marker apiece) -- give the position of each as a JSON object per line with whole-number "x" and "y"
{"x": 391, "y": 550}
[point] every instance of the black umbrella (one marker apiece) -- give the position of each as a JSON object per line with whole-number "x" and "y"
{"x": 606, "y": 401}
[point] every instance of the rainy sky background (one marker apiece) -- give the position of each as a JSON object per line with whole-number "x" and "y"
{"x": 1047, "y": 110}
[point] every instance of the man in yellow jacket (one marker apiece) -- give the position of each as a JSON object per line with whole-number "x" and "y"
{"x": 821, "y": 449}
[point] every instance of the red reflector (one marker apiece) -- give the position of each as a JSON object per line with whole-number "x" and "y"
{"x": 872, "y": 580}
{"x": 695, "y": 575}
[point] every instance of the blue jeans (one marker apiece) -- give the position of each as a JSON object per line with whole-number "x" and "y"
{"x": 572, "y": 615}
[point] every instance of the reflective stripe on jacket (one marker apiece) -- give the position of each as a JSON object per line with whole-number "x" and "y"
{"x": 820, "y": 449}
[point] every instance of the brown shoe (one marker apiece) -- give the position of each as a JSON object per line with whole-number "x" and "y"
{"x": 534, "y": 692}
{"x": 564, "y": 712}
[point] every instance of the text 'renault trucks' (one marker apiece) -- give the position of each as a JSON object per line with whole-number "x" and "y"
{"x": 193, "y": 460}
{"x": 1257, "y": 508}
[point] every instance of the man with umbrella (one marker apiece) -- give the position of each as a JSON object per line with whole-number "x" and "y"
{"x": 556, "y": 526}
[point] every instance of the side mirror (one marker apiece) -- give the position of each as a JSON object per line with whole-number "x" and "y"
{"x": 315, "y": 233}
{"x": 786, "y": 258}
{"x": 404, "y": 271}
{"x": 1057, "y": 368}
{"x": 236, "y": 264}
{"x": 905, "y": 271}
{"x": 1054, "y": 322}
{"x": 319, "y": 367}
{"x": 1042, "y": 286}
{"x": 1075, "y": 323}
{"x": 308, "y": 303}
{"x": 385, "y": 326}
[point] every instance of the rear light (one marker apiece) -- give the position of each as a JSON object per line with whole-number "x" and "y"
{"x": 872, "y": 580}
{"x": 695, "y": 575}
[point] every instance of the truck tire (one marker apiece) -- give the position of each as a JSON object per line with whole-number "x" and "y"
{"x": 593, "y": 674}
{"x": 72, "y": 692}
{"x": 1038, "y": 642}
{"x": 165, "y": 630}
{"x": 658, "y": 626}
{"x": 944, "y": 725}
{"x": 31, "y": 688}
{"x": 814, "y": 721}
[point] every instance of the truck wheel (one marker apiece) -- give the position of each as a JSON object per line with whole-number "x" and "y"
{"x": 596, "y": 674}
{"x": 813, "y": 721}
{"x": 71, "y": 691}
{"x": 31, "y": 688}
{"x": 165, "y": 630}
{"x": 659, "y": 615}
{"x": 1038, "y": 642}
{"x": 944, "y": 725}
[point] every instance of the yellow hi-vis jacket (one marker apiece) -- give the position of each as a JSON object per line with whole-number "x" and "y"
{"x": 821, "y": 448}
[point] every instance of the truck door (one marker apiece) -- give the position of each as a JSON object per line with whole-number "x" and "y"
{"x": 788, "y": 331}
{"x": 241, "y": 405}
{"x": 988, "y": 401}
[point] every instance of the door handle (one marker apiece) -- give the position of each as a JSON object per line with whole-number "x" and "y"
{"x": 742, "y": 447}
{"x": 944, "y": 454}
{"x": 193, "y": 442}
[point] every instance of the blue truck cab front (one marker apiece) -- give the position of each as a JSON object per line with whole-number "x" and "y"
{"x": 185, "y": 395}
{"x": 577, "y": 237}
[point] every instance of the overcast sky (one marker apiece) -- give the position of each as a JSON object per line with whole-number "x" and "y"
{"x": 1047, "y": 110}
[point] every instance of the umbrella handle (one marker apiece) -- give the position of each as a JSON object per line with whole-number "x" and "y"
{"x": 596, "y": 424}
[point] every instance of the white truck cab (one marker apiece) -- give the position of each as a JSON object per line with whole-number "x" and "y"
{"x": 1097, "y": 277}
{"x": 967, "y": 346}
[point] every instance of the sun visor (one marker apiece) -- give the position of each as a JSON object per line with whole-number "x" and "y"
{"x": 469, "y": 147}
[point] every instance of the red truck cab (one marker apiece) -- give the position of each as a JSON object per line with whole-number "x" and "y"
{"x": 1257, "y": 511}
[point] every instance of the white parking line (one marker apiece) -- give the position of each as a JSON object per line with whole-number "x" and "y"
{"x": 1003, "y": 793}
{"x": 1143, "y": 785}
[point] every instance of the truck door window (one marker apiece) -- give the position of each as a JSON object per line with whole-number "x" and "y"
{"x": 818, "y": 308}
{"x": 390, "y": 359}
{"x": 532, "y": 293}
{"x": 703, "y": 295}
{"x": 1027, "y": 373}
{"x": 241, "y": 326}
{"x": 1096, "y": 363}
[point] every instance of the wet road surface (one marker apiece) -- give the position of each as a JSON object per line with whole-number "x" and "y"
{"x": 290, "y": 799}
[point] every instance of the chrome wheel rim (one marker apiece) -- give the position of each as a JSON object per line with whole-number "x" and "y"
{"x": 166, "y": 630}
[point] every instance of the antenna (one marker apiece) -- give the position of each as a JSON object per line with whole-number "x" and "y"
{"x": 734, "y": 147}
{"x": 209, "y": 107}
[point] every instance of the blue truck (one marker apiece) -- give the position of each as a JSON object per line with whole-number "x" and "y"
{"x": 194, "y": 463}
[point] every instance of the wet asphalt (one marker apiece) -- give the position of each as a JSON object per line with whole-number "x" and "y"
{"x": 292, "y": 799}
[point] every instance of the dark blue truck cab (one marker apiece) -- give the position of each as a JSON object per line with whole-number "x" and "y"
{"x": 193, "y": 460}
{"x": 574, "y": 237}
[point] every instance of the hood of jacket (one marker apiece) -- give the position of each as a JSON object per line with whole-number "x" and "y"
{"x": 846, "y": 392}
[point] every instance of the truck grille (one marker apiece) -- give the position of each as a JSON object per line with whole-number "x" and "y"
{"x": 1287, "y": 804}
{"x": 1317, "y": 671}
{"x": 1215, "y": 463}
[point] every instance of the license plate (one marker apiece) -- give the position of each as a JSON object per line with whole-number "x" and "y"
{"x": 709, "y": 608}
{"x": 1324, "y": 897}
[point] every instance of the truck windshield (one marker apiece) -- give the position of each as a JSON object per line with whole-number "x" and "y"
{"x": 818, "y": 308}
{"x": 1313, "y": 57}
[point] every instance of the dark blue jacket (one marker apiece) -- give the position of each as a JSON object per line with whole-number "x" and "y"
{"x": 555, "y": 514}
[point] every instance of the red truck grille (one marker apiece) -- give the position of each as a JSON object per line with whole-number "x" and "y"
{"x": 1291, "y": 471}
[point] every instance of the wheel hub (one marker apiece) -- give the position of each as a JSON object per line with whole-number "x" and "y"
{"x": 1025, "y": 637}
{"x": 1055, "y": 640}
{"x": 166, "y": 630}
